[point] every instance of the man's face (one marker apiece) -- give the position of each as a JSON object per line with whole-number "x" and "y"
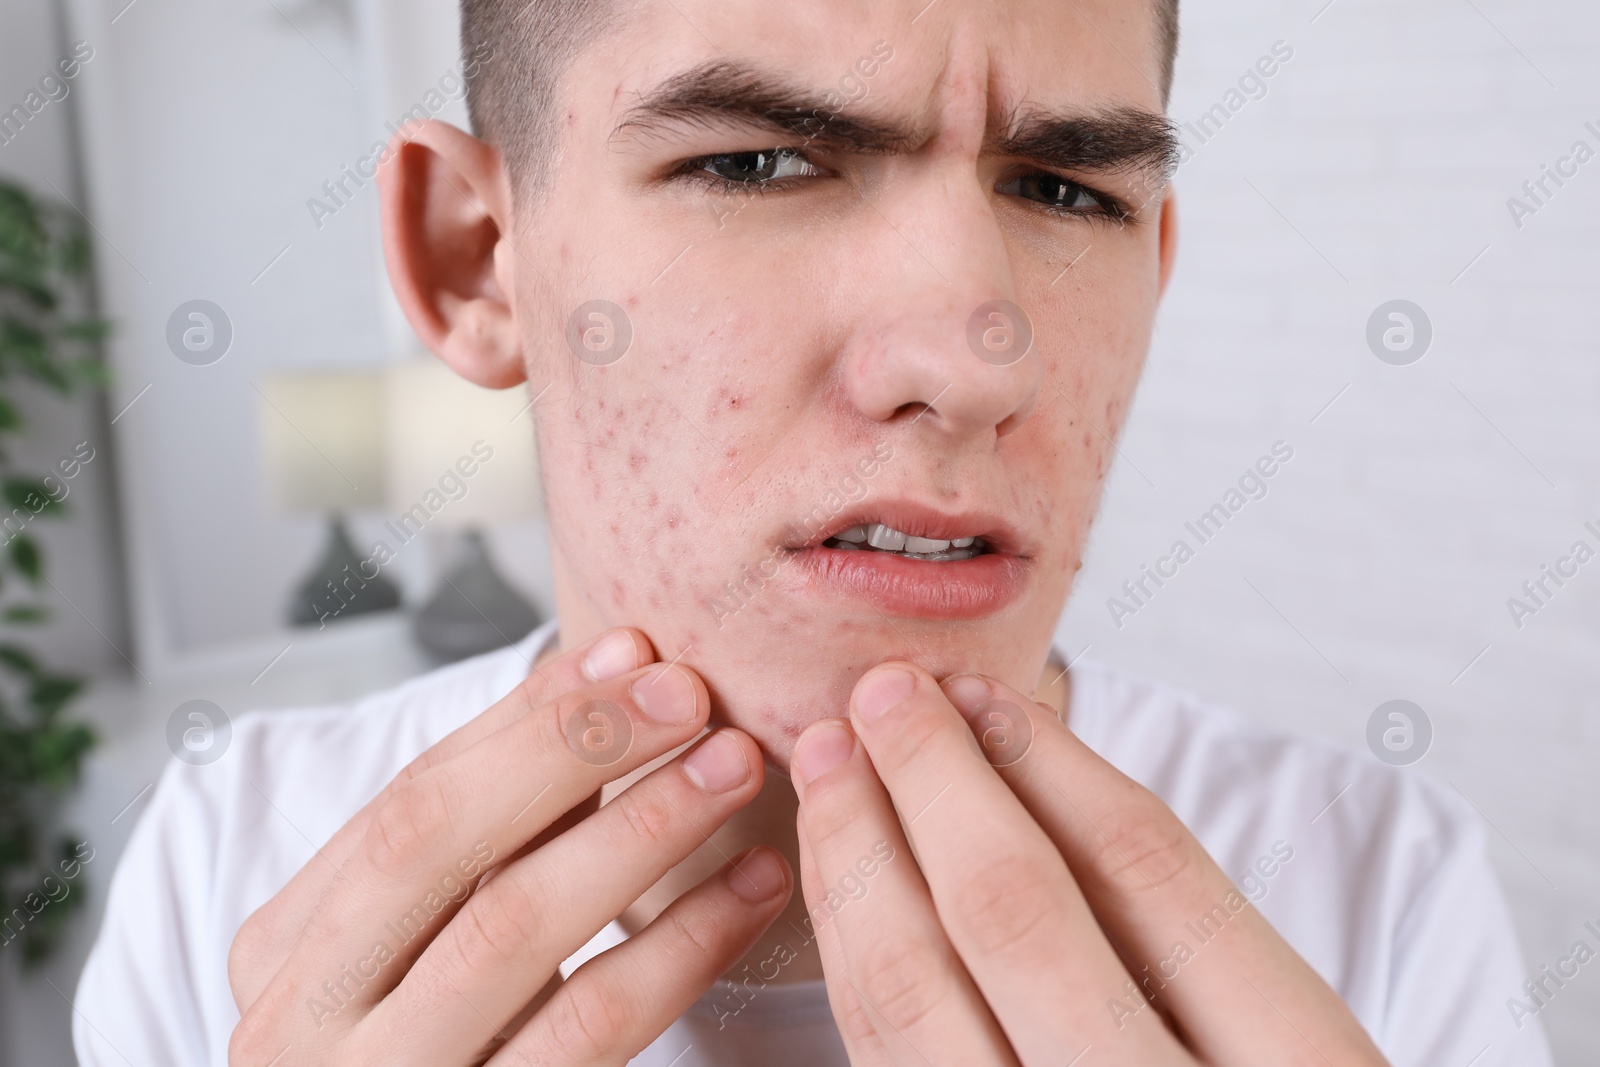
{"x": 810, "y": 351}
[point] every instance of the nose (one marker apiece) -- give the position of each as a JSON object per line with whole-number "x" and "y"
{"x": 939, "y": 337}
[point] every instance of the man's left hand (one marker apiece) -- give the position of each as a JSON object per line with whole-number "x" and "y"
{"x": 1036, "y": 903}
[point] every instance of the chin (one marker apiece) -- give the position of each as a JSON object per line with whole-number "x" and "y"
{"x": 774, "y": 689}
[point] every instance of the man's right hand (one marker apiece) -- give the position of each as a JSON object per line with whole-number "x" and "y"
{"x": 392, "y": 945}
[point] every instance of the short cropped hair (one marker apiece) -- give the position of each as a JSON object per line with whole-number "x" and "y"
{"x": 523, "y": 47}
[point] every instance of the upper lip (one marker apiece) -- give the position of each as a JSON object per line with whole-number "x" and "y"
{"x": 917, "y": 520}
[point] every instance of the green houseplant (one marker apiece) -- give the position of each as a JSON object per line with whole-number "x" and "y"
{"x": 45, "y": 341}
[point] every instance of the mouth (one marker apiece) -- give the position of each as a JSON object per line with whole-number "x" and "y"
{"x": 914, "y": 562}
{"x": 876, "y": 537}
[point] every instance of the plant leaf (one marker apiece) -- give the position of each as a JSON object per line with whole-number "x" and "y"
{"x": 27, "y": 614}
{"x": 19, "y": 659}
{"x": 25, "y": 556}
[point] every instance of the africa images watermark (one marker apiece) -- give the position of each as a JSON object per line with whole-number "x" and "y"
{"x": 453, "y": 887}
{"x": 452, "y": 486}
{"x": 1252, "y": 485}
{"x": 52, "y": 89}
{"x": 735, "y": 596}
{"x": 341, "y": 190}
{"x": 1252, "y": 86}
{"x": 852, "y": 887}
{"x": 1252, "y": 889}
{"x": 1537, "y": 592}
{"x": 1552, "y": 979}
{"x": 853, "y": 87}
{"x": 55, "y": 490}
{"x": 1537, "y": 192}
{"x": 52, "y": 890}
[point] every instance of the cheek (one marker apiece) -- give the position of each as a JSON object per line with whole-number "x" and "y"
{"x": 640, "y": 501}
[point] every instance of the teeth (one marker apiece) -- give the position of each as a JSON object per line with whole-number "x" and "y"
{"x": 888, "y": 539}
{"x": 881, "y": 536}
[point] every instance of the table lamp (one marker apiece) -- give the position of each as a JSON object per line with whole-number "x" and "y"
{"x": 322, "y": 441}
{"x": 460, "y": 457}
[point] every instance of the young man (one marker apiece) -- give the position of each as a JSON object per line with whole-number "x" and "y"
{"x": 832, "y": 315}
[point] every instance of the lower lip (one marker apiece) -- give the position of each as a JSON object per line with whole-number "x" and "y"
{"x": 915, "y": 588}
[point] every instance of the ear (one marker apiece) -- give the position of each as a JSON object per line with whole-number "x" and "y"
{"x": 1169, "y": 236}
{"x": 446, "y": 209}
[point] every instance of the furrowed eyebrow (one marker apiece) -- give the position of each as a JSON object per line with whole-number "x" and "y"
{"x": 1116, "y": 139}
{"x": 1119, "y": 139}
{"x": 721, "y": 92}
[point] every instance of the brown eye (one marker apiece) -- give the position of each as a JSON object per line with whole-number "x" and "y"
{"x": 753, "y": 168}
{"x": 1055, "y": 192}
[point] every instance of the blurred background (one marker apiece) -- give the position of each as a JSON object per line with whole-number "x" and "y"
{"x": 1387, "y": 268}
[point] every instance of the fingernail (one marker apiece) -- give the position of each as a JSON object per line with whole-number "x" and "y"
{"x": 757, "y": 877}
{"x": 967, "y": 692}
{"x": 611, "y": 657}
{"x": 666, "y": 695}
{"x": 718, "y": 765}
{"x": 883, "y": 689}
{"x": 823, "y": 748}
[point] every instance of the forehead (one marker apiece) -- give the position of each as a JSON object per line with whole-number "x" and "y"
{"x": 1009, "y": 53}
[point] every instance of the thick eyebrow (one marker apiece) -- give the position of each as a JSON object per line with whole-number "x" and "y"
{"x": 720, "y": 92}
{"x": 1111, "y": 140}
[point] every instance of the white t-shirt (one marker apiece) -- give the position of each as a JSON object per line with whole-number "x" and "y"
{"x": 1377, "y": 877}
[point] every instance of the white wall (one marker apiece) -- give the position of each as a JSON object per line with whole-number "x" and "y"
{"x": 1391, "y": 142}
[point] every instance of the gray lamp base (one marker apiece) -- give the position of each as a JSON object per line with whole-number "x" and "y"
{"x": 474, "y": 610}
{"x": 338, "y": 586}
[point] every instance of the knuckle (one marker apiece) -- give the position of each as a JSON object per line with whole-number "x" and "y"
{"x": 1143, "y": 846}
{"x": 250, "y": 944}
{"x": 1003, "y": 906}
{"x": 403, "y": 826}
{"x": 585, "y": 1024}
{"x": 695, "y": 936}
{"x": 500, "y": 924}
{"x": 917, "y": 733}
{"x": 904, "y": 982}
{"x": 855, "y": 1025}
{"x": 648, "y": 816}
{"x": 254, "y": 1039}
{"x": 830, "y": 826}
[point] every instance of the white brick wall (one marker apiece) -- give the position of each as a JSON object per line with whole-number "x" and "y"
{"x": 1391, "y": 141}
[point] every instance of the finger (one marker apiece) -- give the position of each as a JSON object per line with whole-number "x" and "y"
{"x": 610, "y": 1008}
{"x": 267, "y": 936}
{"x": 427, "y": 846}
{"x": 1003, "y": 893}
{"x": 898, "y": 962}
{"x": 860, "y": 1036}
{"x": 514, "y": 932}
{"x": 1238, "y": 991}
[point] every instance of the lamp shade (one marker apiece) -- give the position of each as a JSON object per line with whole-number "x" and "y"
{"x": 459, "y": 455}
{"x": 322, "y": 440}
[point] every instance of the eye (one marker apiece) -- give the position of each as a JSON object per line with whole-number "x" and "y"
{"x": 1061, "y": 194}
{"x": 757, "y": 168}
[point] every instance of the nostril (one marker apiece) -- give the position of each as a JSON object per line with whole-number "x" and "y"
{"x": 913, "y": 410}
